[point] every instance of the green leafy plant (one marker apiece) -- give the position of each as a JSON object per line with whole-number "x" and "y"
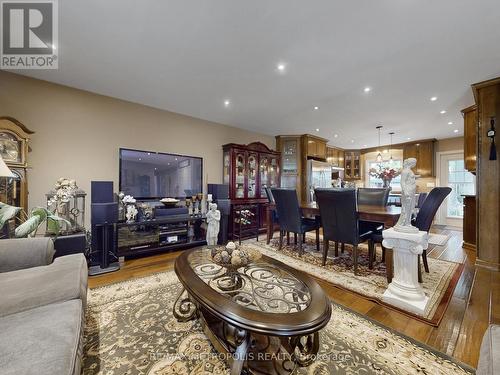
{"x": 7, "y": 212}
{"x": 37, "y": 216}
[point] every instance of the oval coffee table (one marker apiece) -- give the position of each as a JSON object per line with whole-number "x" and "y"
{"x": 265, "y": 317}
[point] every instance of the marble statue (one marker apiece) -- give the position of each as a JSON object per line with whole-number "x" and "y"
{"x": 408, "y": 190}
{"x": 213, "y": 222}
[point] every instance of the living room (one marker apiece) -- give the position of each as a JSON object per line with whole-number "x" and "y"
{"x": 234, "y": 187}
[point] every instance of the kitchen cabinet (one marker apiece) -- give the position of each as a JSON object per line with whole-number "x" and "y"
{"x": 335, "y": 156}
{"x": 424, "y": 153}
{"x": 315, "y": 146}
{"x": 352, "y": 164}
{"x": 470, "y": 138}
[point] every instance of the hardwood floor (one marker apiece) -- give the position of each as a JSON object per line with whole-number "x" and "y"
{"x": 475, "y": 302}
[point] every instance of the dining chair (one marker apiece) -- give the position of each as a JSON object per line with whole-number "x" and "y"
{"x": 426, "y": 214}
{"x": 291, "y": 219}
{"x": 270, "y": 200}
{"x": 373, "y": 196}
{"x": 339, "y": 219}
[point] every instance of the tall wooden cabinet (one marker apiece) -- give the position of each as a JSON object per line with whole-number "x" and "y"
{"x": 335, "y": 156}
{"x": 14, "y": 147}
{"x": 295, "y": 151}
{"x": 352, "y": 161}
{"x": 424, "y": 153}
{"x": 470, "y": 138}
{"x": 248, "y": 170}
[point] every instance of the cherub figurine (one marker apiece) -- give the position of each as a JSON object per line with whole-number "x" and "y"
{"x": 213, "y": 221}
{"x": 408, "y": 190}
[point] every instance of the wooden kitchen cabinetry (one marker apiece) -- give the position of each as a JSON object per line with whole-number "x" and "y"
{"x": 335, "y": 156}
{"x": 424, "y": 153}
{"x": 352, "y": 161}
{"x": 469, "y": 226}
{"x": 470, "y": 138}
{"x": 314, "y": 146}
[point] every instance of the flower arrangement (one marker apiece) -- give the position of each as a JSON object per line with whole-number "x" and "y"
{"x": 127, "y": 203}
{"x": 126, "y": 199}
{"x": 64, "y": 190}
{"x": 386, "y": 174}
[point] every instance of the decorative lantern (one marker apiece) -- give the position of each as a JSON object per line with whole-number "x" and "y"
{"x": 68, "y": 202}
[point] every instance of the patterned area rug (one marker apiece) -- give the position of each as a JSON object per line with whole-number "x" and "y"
{"x": 438, "y": 239}
{"x": 130, "y": 330}
{"x": 438, "y": 285}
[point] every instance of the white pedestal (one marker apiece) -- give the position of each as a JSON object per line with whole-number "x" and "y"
{"x": 404, "y": 291}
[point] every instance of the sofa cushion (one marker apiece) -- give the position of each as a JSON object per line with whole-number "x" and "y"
{"x": 63, "y": 280}
{"x": 489, "y": 356}
{"x": 21, "y": 253}
{"x": 46, "y": 340}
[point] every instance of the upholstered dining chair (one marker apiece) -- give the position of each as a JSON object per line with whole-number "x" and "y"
{"x": 270, "y": 199}
{"x": 290, "y": 217}
{"x": 426, "y": 214}
{"x": 339, "y": 219}
{"x": 373, "y": 196}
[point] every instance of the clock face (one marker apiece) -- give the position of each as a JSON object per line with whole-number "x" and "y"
{"x": 10, "y": 150}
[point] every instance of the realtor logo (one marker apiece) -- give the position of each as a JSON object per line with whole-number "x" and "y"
{"x": 29, "y": 37}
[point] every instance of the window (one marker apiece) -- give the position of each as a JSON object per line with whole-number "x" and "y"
{"x": 374, "y": 182}
{"x": 461, "y": 182}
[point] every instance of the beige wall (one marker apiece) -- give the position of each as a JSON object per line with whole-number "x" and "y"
{"x": 78, "y": 133}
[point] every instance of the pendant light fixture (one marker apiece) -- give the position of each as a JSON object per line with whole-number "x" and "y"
{"x": 390, "y": 150}
{"x": 379, "y": 155}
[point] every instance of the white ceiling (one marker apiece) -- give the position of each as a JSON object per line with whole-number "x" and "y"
{"x": 188, "y": 56}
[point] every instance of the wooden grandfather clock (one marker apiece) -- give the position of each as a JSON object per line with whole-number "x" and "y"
{"x": 14, "y": 148}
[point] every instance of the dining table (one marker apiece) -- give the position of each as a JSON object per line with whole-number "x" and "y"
{"x": 388, "y": 215}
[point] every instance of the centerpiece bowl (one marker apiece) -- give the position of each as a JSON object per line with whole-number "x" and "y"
{"x": 232, "y": 257}
{"x": 170, "y": 202}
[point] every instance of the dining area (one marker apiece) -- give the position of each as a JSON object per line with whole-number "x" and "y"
{"x": 347, "y": 220}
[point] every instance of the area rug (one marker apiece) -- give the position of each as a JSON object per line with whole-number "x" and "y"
{"x": 438, "y": 239}
{"x": 130, "y": 330}
{"x": 438, "y": 285}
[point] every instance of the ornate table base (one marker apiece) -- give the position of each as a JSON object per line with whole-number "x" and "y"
{"x": 257, "y": 353}
{"x": 404, "y": 291}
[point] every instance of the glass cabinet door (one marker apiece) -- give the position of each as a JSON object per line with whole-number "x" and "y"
{"x": 264, "y": 173}
{"x": 240, "y": 175}
{"x": 273, "y": 174}
{"x": 226, "y": 167}
{"x": 252, "y": 175}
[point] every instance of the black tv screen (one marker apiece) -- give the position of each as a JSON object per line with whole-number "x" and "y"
{"x": 155, "y": 175}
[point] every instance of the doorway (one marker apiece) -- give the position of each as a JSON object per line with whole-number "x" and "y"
{"x": 452, "y": 173}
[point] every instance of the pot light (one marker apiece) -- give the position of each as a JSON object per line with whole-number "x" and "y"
{"x": 450, "y": 122}
{"x": 365, "y": 146}
{"x": 434, "y": 98}
{"x": 281, "y": 67}
{"x": 408, "y": 138}
{"x": 443, "y": 112}
{"x": 317, "y": 129}
{"x": 367, "y": 89}
{"x": 335, "y": 136}
{"x": 316, "y": 107}
{"x": 352, "y": 140}
{"x": 455, "y": 131}
{"x": 227, "y": 103}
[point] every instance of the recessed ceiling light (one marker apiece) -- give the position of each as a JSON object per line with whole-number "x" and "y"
{"x": 434, "y": 98}
{"x": 281, "y": 67}
{"x": 408, "y": 138}
{"x": 443, "y": 112}
{"x": 364, "y": 145}
{"x": 317, "y": 129}
{"x": 335, "y": 135}
{"x": 367, "y": 89}
{"x": 352, "y": 140}
{"x": 450, "y": 122}
{"x": 227, "y": 103}
{"x": 455, "y": 131}
{"x": 316, "y": 107}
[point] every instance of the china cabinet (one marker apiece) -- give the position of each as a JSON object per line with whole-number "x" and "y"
{"x": 248, "y": 170}
{"x": 14, "y": 147}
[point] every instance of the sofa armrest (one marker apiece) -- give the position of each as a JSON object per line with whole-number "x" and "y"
{"x": 21, "y": 253}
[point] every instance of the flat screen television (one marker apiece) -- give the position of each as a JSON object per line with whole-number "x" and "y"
{"x": 155, "y": 175}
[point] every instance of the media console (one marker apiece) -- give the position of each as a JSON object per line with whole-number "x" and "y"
{"x": 161, "y": 234}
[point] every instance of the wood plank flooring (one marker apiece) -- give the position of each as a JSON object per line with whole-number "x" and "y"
{"x": 474, "y": 305}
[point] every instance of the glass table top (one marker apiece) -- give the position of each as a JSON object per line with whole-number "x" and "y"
{"x": 260, "y": 286}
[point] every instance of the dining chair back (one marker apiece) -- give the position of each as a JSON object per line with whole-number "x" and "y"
{"x": 430, "y": 206}
{"x": 339, "y": 215}
{"x": 288, "y": 209}
{"x": 421, "y": 200}
{"x": 373, "y": 196}
{"x": 269, "y": 194}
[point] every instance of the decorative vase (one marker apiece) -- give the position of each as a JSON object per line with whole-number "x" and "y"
{"x": 386, "y": 183}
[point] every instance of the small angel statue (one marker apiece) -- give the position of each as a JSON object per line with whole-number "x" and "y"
{"x": 408, "y": 190}
{"x": 213, "y": 221}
